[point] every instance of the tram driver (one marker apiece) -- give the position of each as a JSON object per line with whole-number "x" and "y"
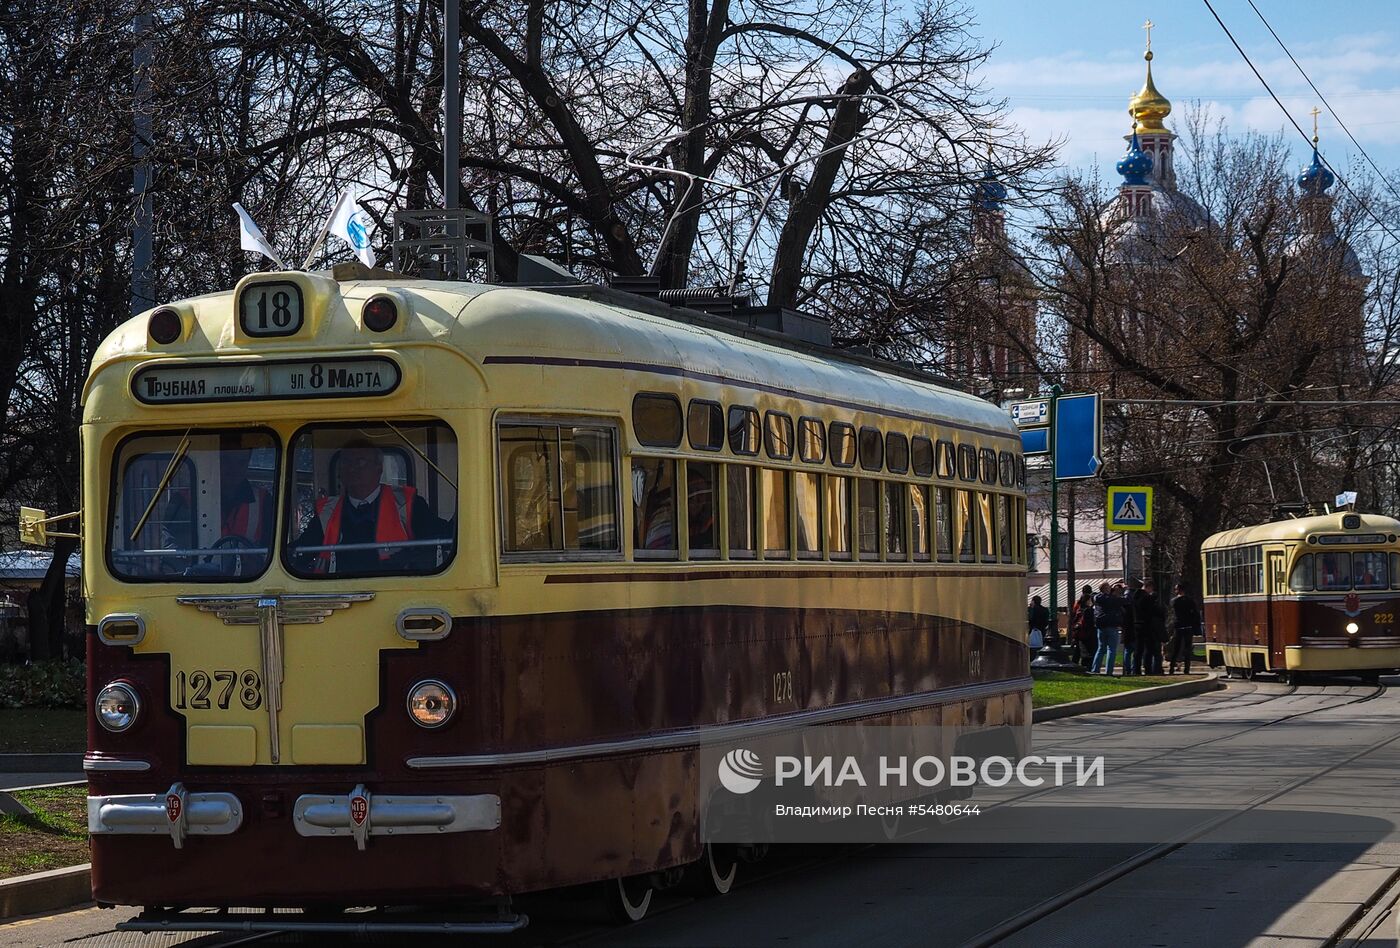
{"x": 366, "y": 519}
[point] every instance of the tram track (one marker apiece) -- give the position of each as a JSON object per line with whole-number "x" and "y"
{"x": 1140, "y": 860}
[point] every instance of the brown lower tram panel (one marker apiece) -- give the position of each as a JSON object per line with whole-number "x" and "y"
{"x": 1309, "y": 622}
{"x": 528, "y": 683}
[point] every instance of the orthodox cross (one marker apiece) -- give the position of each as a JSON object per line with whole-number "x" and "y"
{"x": 1148, "y": 27}
{"x": 1315, "y": 113}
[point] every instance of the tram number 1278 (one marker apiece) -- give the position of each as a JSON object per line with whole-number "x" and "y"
{"x": 193, "y": 691}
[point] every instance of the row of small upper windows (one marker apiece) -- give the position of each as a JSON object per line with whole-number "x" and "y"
{"x": 657, "y": 422}
{"x": 559, "y": 497}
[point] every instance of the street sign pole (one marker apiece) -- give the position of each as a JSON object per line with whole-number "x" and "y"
{"x": 1055, "y": 391}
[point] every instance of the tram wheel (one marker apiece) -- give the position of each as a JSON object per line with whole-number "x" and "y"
{"x": 1285, "y": 678}
{"x": 717, "y": 869}
{"x": 629, "y": 898}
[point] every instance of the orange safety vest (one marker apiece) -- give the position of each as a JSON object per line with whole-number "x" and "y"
{"x": 395, "y": 522}
{"x": 248, "y": 514}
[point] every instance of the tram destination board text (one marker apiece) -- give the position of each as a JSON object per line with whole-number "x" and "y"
{"x": 262, "y": 381}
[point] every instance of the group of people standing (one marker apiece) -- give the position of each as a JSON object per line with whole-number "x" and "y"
{"x": 1134, "y": 618}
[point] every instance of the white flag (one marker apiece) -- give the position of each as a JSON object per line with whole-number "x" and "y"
{"x": 1346, "y": 498}
{"x": 252, "y": 239}
{"x": 352, "y": 224}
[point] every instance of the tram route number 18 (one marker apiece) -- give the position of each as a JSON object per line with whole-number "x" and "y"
{"x": 201, "y": 690}
{"x": 271, "y": 309}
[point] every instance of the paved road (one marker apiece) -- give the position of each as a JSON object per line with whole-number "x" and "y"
{"x": 1314, "y": 771}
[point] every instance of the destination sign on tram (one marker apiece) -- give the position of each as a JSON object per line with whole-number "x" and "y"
{"x": 261, "y": 381}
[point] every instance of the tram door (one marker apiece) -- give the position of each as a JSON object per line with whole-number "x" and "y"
{"x": 1277, "y": 605}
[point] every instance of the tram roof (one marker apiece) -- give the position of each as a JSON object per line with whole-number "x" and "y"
{"x": 584, "y": 325}
{"x": 1300, "y": 529}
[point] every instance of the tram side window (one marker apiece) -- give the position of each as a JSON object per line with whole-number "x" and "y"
{"x": 947, "y": 463}
{"x": 1004, "y": 526}
{"x": 1395, "y": 571}
{"x": 774, "y": 485}
{"x": 872, "y": 449}
{"x": 1301, "y": 579}
{"x": 943, "y": 523}
{"x": 868, "y": 517}
{"x": 811, "y": 440}
{"x": 777, "y": 435}
{"x": 656, "y": 420}
{"x": 743, "y": 517}
{"x": 838, "y": 517}
{"x": 921, "y": 456}
{"x": 986, "y": 519}
{"x": 967, "y": 545}
{"x": 705, "y": 425}
{"x": 653, "y": 508}
{"x": 989, "y": 466}
{"x": 558, "y": 489}
{"x": 919, "y": 518}
{"x": 702, "y": 508}
{"x": 378, "y": 499}
{"x": 843, "y": 444}
{"x": 893, "y": 513}
{"x": 743, "y": 430}
{"x": 807, "y": 498}
{"x": 198, "y": 506}
{"x": 967, "y": 462}
{"x": 1333, "y": 570}
{"x": 1369, "y": 570}
{"x": 896, "y": 452}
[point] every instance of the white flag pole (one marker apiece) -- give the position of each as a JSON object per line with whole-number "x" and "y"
{"x": 326, "y": 228}
{"x": 251, "y": 238}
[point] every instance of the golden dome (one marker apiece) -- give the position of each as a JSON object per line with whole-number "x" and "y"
{"x": 1149, "y": 107}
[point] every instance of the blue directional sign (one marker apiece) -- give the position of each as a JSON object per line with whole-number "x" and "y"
{"x": 1077, "y": 436}
{"x": 1035, "y": 441}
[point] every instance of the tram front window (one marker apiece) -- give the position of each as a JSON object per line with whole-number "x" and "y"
{"x": 372, "y": 500}
{"x": 192, "y": 504}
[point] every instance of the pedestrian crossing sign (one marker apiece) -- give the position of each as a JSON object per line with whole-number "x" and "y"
{"x": 1129, "y": 508}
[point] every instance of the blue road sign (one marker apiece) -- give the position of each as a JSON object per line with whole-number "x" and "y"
{"x": 1128, "y": 508}
{"x": 1078, "y": 432}
{"x": 1035, "y": 441}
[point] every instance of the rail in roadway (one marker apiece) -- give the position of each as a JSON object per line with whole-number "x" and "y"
{"x": 1269, "y": 748}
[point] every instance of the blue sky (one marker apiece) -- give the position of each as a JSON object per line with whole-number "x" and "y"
{"x": 1068, "y": 67}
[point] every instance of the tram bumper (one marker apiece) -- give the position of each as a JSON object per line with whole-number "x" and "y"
{"x": 274, "y": 844}
{"x": 1338, "y": 654}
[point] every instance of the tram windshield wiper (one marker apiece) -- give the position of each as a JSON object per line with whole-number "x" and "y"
{"x": 170, "y": 470}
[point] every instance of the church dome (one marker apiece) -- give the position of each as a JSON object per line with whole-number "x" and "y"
{"x": 1316, "y": 178}
{"x": 990, "y": 192}
{"x": 1149, "y": 107}
{"x": 1136, "y": 165}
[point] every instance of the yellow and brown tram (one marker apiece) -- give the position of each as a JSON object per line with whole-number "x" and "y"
{"x": 405, "y": 592}
{"x": 1314, "y": 594}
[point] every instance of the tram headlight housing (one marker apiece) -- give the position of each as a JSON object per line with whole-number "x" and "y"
{"x": 166, "y": 326}
{"x": 1353, "y": 628}
{"x": 117, "y": 707}
{"x": 380, "y": 314}
{"x": 431, "y": 703}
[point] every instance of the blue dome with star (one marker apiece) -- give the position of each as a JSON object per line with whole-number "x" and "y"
{"x": 1316, "y": 178}
{"x": 1136, "y": 165}
{"x": 990, "y": 192}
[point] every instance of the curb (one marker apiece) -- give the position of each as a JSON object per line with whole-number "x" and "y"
{"x": 1128, "y": 699}
{"x": 45, "y": 891}
{"x": 41, "y": 763}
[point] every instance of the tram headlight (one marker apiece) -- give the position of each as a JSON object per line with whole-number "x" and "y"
{"x": 1353, "y": 628}
{"x": 117, "y": 706}
{"x": 165, "y": 326}
{"x": 431, "y": 703}
{"x": 380, "y": 314}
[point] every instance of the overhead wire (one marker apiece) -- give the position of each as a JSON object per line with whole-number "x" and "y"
{"x": 1277, "y": 101}
{"x": 1308, "y": 79}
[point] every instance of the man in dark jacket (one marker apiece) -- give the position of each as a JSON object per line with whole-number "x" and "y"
{"x": 1151, "y": 629}
{"x": 1109, "y": 609}
{"x": 1186, "y": 620}
{"x": 1132, "y": 656}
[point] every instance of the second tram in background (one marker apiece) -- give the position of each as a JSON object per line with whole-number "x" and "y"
{"x": 1315, "y": 594}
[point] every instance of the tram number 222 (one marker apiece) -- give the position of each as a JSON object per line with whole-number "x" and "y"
{"x": 202, "y": 690}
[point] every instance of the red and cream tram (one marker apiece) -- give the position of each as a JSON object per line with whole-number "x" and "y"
{"x": 410, "y": 592}
{"x": 1315, "y": 594}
